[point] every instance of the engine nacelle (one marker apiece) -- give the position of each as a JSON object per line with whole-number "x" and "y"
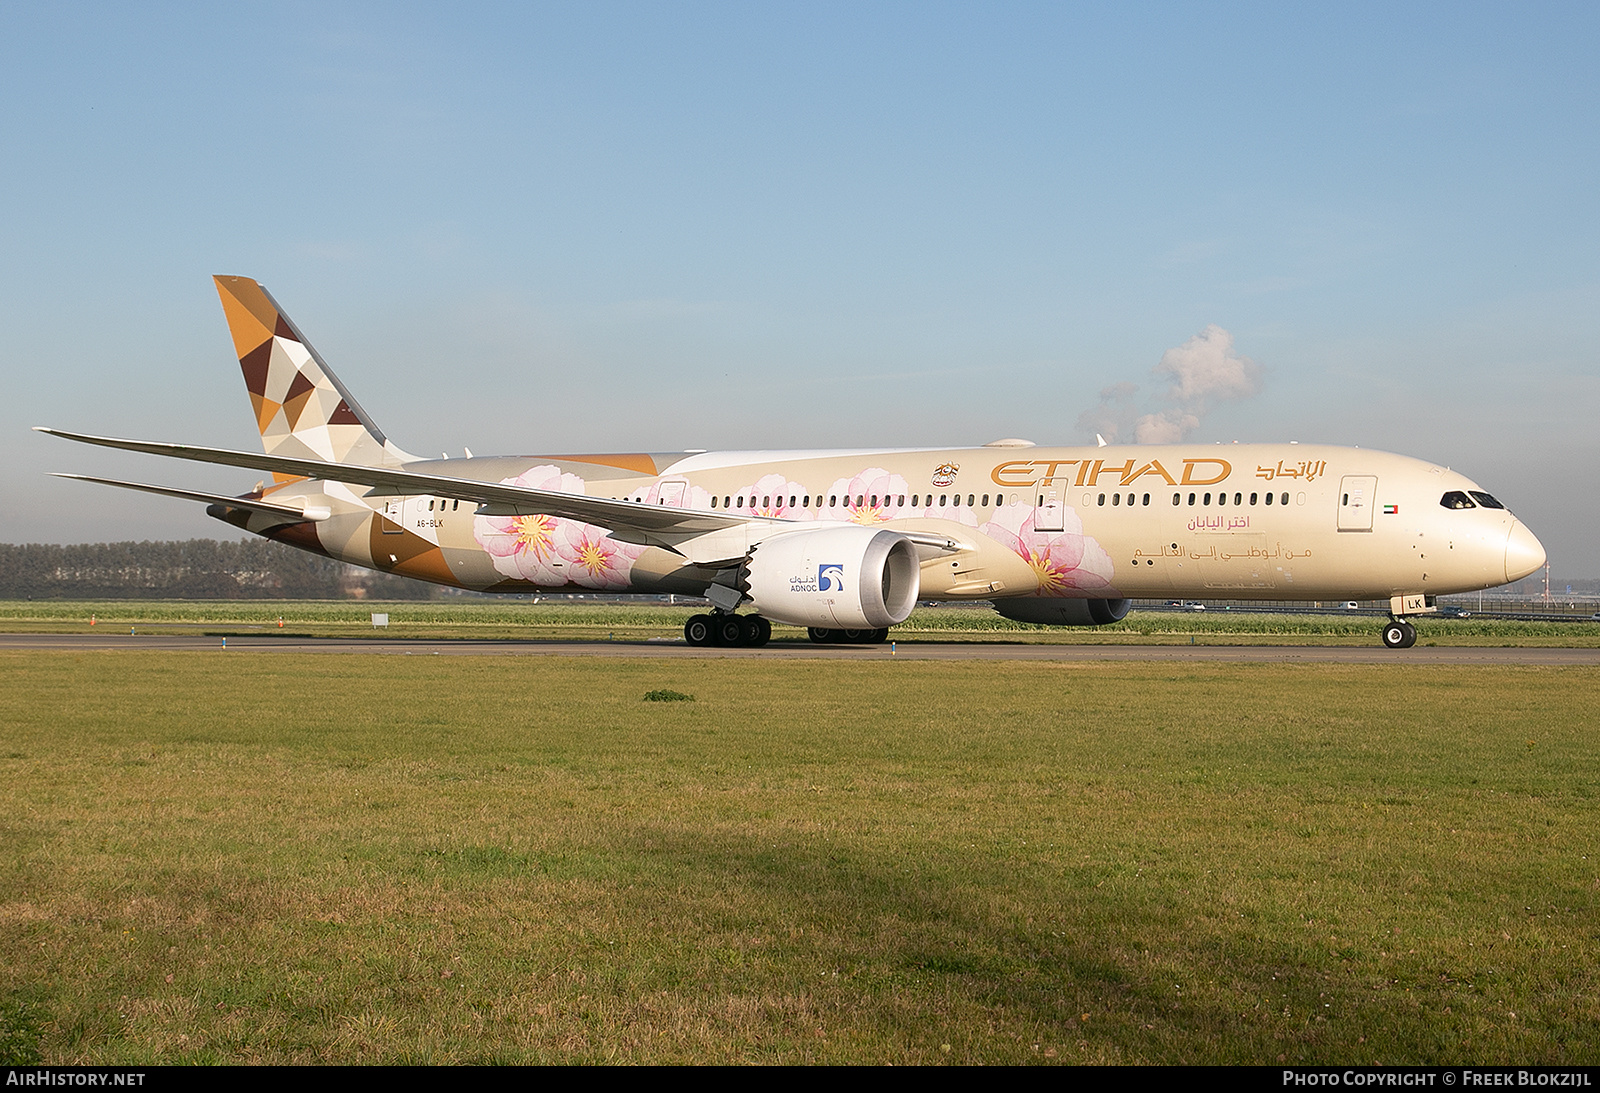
{"x": 1060, "y": 611}
{"x": 851, "y": 578}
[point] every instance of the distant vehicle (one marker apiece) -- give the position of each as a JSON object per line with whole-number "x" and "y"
{"x": 1194, "y": 607}
{"x": 1454, "y": 611}
{"x": 1352, "y": 605}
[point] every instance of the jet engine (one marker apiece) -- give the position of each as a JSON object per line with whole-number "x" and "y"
{"x": 834, "y": 577}
{"x": 1060, "y": 611}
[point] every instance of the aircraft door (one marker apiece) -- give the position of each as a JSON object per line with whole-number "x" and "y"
{"x": 1356, "y": 495}
{"x": 671, "y": 494}
{"x": 392, "y": 511}
{"x": 1050, "y": 513}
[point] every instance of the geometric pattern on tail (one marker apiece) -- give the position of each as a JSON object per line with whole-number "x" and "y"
{"x": 301, "y": 408}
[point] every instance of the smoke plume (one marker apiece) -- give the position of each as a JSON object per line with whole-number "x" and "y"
{"x": 1194, "y": 376}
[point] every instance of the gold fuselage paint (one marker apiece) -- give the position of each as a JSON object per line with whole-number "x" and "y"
{"x": 1258, "y": 521}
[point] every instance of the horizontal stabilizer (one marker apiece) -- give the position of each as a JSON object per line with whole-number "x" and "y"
{"x": 292, "y": 512}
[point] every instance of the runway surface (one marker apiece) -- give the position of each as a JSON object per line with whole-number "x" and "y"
{"x": 1249, "y": 654}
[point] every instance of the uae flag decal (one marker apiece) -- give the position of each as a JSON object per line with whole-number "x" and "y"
{"x": 1391, "y": 510}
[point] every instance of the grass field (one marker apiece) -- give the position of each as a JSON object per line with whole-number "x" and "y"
{"x": 401, "y": 859}
{"x": 601, "y": 621}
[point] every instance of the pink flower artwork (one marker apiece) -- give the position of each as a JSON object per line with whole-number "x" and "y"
{"x": 873, "y": 496}
{"x": 1065, "y": 563}
{"x": 551, "y": 551}
{"x": 677, "y": 492}
{"x": 771, "y": 496}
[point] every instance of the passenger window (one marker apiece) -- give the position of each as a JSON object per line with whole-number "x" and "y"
{"x": 969, "y": 500}
{"x": 1284, "y": 499}
{"x": 1269, "y": 498}
{"x": 1238, "y": 499}
{"x": 1253, "y": 497}
{"x": 1208, "y": 499}
{"x": 1176, "y": 498}
{"x": 1147, "y": 500}
{"x": 1191, "y": 499}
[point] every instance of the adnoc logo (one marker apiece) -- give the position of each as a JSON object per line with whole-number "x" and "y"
{"x": 830, "y": 577}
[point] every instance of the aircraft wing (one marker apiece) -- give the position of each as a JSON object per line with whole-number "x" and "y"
{"x": 722, "y": 536}
{"x": 293, "y": 512}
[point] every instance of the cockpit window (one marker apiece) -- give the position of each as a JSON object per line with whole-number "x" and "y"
{"x": 1455, "y": 499}
{"x": 1485, "y": 500}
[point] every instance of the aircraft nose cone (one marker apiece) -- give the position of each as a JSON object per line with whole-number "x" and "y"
{"x": 1524, "y": 553}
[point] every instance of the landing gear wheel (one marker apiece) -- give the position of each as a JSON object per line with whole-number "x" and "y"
{"x": 697, "y": 631}
{"x": 853, "y": 637}
{"x": 879, "y": 636}
{"x": 729, "y": 629}
{"x": 822, "y": 635}
{"x": 754, "y": 631}
{"x": 1399, "y": 634}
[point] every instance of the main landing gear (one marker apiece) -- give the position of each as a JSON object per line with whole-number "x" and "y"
{"x": 730, "y": 630}
{"x": 823, "y": 636}
{"x": 1399, "y": 634}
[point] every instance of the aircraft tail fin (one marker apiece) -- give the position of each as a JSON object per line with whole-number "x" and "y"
{"x": 300, "y": 406}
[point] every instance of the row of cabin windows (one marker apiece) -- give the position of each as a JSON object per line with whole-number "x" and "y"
{"x": 1238, "y": 498}
{"x": 1454, "y": 500}
{"x": 862, "y": 500}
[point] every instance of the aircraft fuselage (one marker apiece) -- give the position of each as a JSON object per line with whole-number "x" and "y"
{"x": 1250, "y": 521}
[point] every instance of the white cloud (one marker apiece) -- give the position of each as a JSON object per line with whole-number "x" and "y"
{"x": 1197, "y": 374}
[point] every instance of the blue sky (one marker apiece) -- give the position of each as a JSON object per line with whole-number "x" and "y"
{"x": 542, "y": 228}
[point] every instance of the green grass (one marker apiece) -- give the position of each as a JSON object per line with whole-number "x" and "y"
{"x": 228, "y": 858}
{"x": 521, "y": 620}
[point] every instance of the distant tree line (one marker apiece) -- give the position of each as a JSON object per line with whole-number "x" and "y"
{"x": 192, "y": 569}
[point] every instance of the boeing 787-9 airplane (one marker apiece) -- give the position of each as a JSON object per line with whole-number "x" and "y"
{"x": 844, "y": 542}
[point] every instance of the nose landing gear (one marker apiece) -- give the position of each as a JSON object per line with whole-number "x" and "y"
{"x": 1399, "y": 634}
{"x": 727, "y": 630}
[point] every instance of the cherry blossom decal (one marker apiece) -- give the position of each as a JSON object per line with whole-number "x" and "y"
{"x": 772, "y": 495}
{"x": 873, "y": 496}
{"x": 550, "y": 551}
{"x": 1064, "y": 562}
